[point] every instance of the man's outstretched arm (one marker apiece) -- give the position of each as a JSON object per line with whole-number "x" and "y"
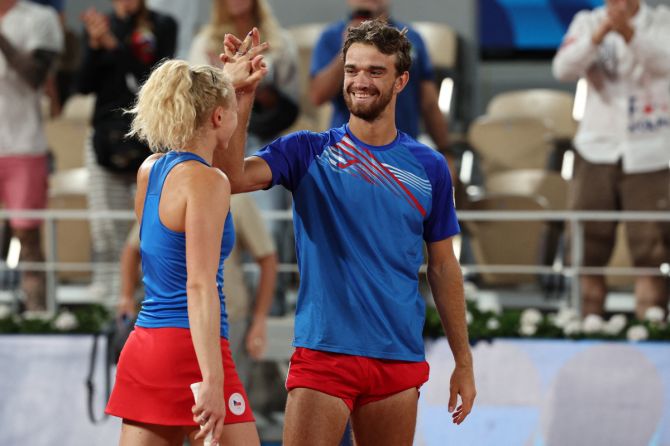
{"x": 245, "y": 67}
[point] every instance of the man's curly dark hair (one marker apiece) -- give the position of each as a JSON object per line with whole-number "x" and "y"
{"x": 386, "y": 38}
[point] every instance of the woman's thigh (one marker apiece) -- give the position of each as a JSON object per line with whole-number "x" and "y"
{"x": 141, "y": 434}
{"x": 242, "y": 434}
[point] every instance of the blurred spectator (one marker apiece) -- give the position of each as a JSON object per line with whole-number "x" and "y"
{"x": 60, "y": 84}
{"x": 417, "y": 100}
{"x": 623, "y": 142}
{"x": 247, "y": 333}
{"x": 30, "y": 41}
{"x": 276, "y": 104}
{"x": 190, "y": 15}
{"x": 131, "y": 259}
{"x": 120, "y": 48}
{"x": 58, "y": 5}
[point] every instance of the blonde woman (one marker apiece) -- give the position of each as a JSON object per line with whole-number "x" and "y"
{"x": 185, "y": 113}
{"x": 276, "y": 105}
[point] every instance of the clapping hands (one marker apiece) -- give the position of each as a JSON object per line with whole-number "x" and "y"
{"x": 97, "y": 28}
{"x": 619, "y": 13}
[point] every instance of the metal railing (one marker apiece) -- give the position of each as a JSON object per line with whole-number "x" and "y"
{"x": 574, "y": 219}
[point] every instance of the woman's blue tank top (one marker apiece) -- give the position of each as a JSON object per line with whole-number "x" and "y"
{"x": 164, "y": 256}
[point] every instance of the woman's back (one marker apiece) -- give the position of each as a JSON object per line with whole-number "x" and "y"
{"x": 164, "y": 252}
{"x": 183, "y": 204}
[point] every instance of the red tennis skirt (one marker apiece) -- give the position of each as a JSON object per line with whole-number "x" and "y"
{"x": 154, "y": 374}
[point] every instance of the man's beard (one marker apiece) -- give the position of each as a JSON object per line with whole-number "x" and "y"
{"x": 371, "y": 111}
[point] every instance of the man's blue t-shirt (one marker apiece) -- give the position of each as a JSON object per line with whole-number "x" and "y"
{"x": 408, "y": 107}
{"x": 361, "y": 214}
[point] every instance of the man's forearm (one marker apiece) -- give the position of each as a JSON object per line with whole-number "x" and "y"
{"x": 33, "y": 68}
{"x": 446, "y": 283}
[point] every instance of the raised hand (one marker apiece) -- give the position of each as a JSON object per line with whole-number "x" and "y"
{"x": 243, "y": 61}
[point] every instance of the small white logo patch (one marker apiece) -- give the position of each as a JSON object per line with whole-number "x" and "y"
{"x": 236, "y": 404}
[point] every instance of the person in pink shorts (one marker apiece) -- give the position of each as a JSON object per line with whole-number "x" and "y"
{"x": 30, "y": 40}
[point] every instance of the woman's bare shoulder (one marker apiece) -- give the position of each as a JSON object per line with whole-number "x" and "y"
{"x": 145, "y": 168}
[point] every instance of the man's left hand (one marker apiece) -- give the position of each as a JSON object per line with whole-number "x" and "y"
{"x": 462, "y": 383}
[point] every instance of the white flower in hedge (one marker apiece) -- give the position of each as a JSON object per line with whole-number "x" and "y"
{"x": 593, "y": 324}
{"x": 615, "y": 324}
{"x": 566, "y": 316}
{"x": 468, "y": 317}
{"x": 528, "y": 329}
{"x": 5, "y": 311}
{"x": 489, "y": 305}
{"x": 65, "y": 321}
{"x": 637, "y": 333}
{"x": 654, "y": 314}
{"x": 531, "y": 316}
{"x": 493, "y": 324}
{"x": 572, "y": 327}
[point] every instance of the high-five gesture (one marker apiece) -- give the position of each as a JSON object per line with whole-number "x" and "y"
{"x": 242, "y": 60}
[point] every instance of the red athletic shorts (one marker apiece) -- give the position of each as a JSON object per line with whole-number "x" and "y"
{"x": 357, "y": 380}
{"x": 156, "y": 368}
{"x": 23, "y": 185}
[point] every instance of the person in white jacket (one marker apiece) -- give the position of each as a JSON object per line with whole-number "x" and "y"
{"x": 623, "y": 144}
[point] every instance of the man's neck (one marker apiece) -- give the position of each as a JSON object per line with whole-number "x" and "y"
{"x": 377, "y": 133}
